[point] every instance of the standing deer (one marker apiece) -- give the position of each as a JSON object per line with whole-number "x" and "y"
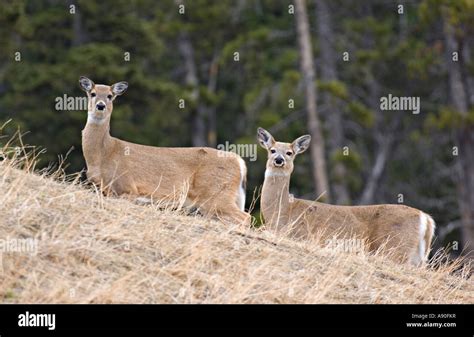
{"x": 403, "y": 231}
{"x": 212, "y": 180}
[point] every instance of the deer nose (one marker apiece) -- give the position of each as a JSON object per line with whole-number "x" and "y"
{"x": 101, "y": 106}
{"x": 279, "y": 161}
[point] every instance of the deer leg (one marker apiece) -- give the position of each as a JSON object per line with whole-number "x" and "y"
{"x": 229, "y": 214}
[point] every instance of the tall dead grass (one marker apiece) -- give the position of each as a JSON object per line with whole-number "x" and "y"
{"x": 96, "y": 249}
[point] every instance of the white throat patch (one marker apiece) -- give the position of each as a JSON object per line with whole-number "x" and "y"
{"x": 275, "y": 174}
{"x": 94, "y": 120}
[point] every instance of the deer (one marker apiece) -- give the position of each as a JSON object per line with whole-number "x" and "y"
{"x": 207, "y": 179}
{"x": 402, "y": 231}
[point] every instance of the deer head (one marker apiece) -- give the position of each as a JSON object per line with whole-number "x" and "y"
{"x": 281, "y": 155}
{"x": 100, "y": 99}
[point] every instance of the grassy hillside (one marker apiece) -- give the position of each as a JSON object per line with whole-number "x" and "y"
{"x": 92, "y": 249}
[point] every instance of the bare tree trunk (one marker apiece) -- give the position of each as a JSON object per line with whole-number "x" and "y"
{"x": 314, "y": 124}
{"x": 79, "y": 36}
{"x": 385, "y": 142}
{"x": 469, "y": 79}
{"x": 198, "y": 125}
{"x": 211, "y": 111}
{"x": 465, "y": 138}
{"x": 334, "y": 116}
{"x": 458, "y": 92}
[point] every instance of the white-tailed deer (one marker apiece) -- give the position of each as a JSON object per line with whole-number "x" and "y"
{"x": 211, "y": 180}
{"x": 404, "y": 232}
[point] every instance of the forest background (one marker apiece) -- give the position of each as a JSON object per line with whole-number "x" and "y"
{"x": 208, "y": 73}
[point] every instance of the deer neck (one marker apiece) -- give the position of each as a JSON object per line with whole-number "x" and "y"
{"x": 275, "y": 203}
{"x": 95, "y": 141}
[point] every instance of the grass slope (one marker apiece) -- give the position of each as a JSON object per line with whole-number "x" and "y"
{"x": 93, "y": 249}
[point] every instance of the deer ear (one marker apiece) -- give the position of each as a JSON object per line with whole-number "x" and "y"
{"x": 86, "y": 84}
{"x": 264, "y": 138}
{"x": 301, "y": 144}
{"x": 119, "y": 88}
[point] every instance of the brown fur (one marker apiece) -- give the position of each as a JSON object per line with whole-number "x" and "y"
{"x": 209, "y": 179}
{"x": 392, "y": 228}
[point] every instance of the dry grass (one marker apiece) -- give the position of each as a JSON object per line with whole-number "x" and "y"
{"x": 93, "y": 249}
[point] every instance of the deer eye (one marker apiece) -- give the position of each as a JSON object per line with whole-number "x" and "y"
{"x": 272, "y": 150}
{"x": 289, "y": 153}
{"x": 109, "y": 96}
{"x": 93, "y": 94}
